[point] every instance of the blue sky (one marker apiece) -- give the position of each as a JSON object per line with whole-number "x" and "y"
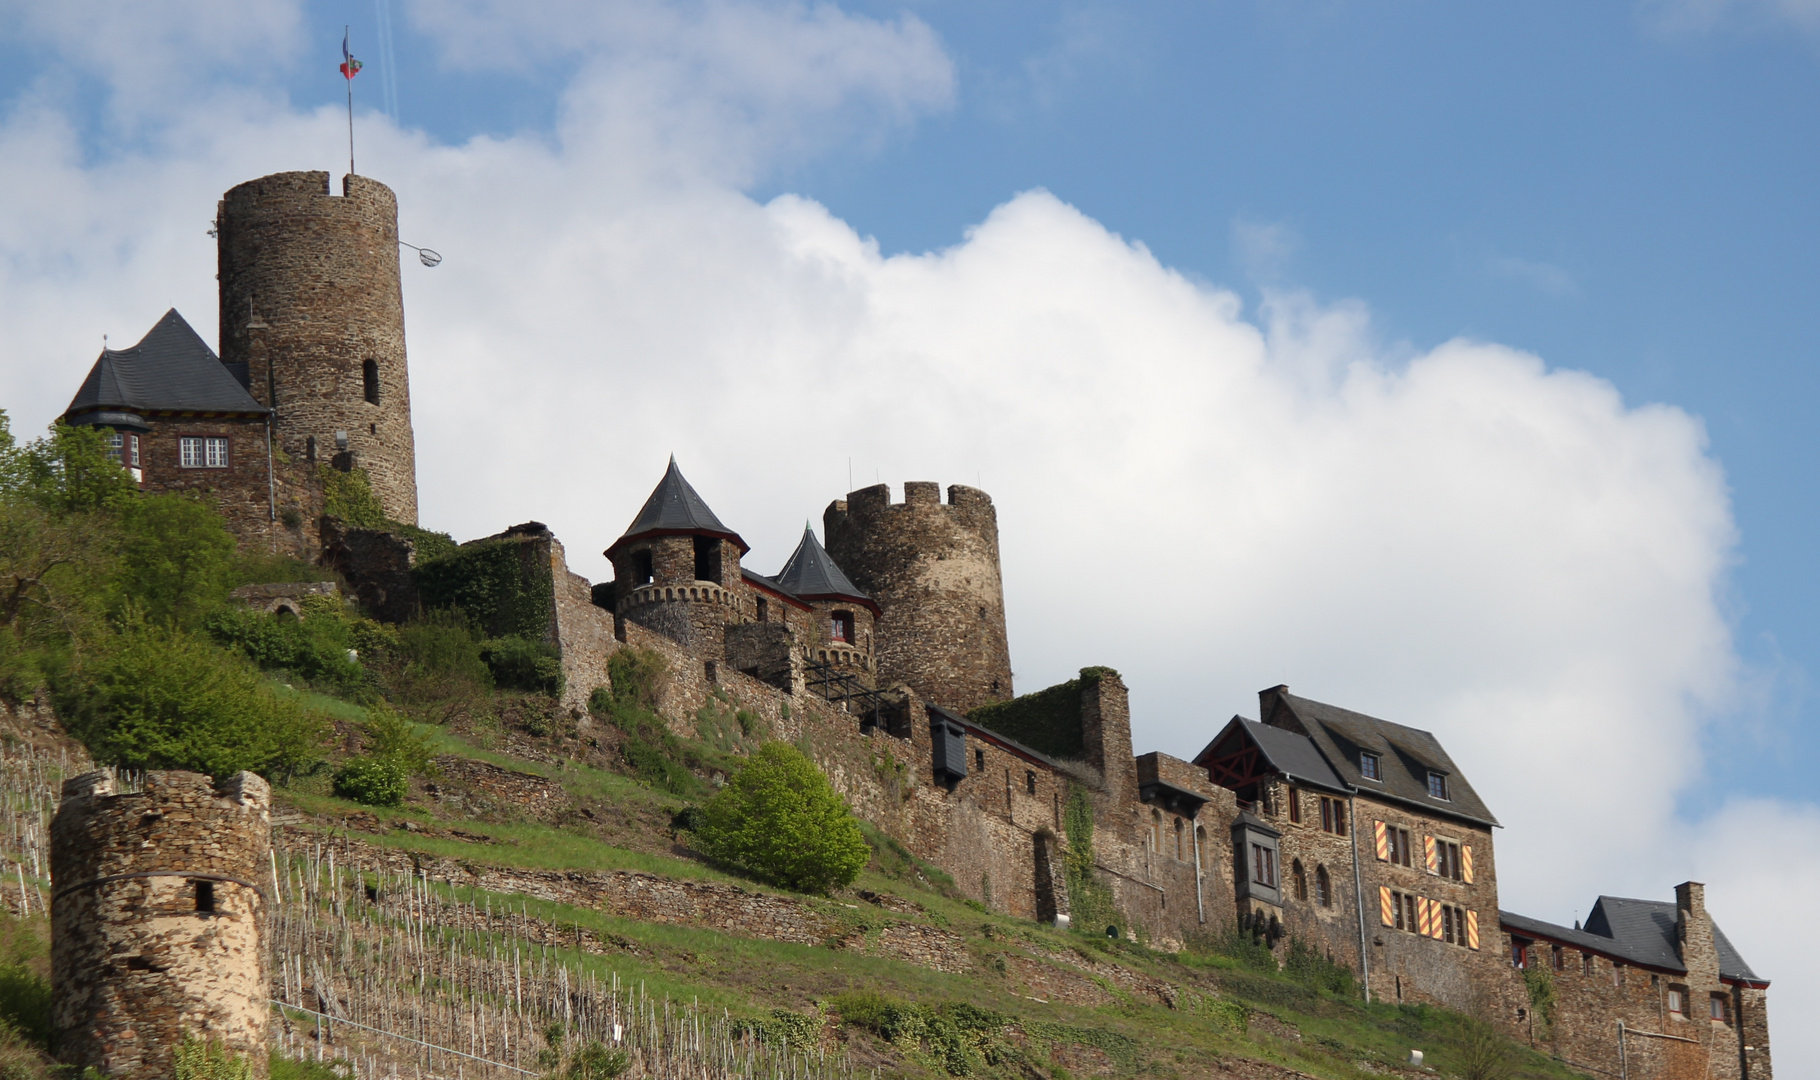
{"x": 1297, "y": 332}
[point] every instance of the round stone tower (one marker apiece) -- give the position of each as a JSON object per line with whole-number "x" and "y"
{"x": 933, "y": 570}
{"x": 310, "y": 302}
{"x": 157, "y": 917}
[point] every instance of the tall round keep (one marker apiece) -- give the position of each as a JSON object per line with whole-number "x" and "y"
{"x": 311, "y": 303}
{"x": 157, "y": 920}
{"x": 933, "y": 570}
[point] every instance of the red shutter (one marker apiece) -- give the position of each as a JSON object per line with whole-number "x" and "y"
{"x": 1383, "y": 836}
{"x": 1466, "y": 864}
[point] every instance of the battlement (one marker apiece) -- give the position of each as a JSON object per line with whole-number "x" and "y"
{"x": 361, "y": 196}
{"x": 918, "y": 493}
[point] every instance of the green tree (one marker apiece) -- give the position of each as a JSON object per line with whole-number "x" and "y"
{"x": 68, "y": 469}
{"x": 177, "y": 558}
{"x": 159, "y": 697}
{"x": 779, "y": 819}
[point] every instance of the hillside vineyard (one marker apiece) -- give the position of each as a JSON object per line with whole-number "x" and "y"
{"x": 885, "y": 651}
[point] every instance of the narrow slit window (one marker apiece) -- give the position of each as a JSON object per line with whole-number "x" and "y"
{"x": 764, "y": 610}
{"x": 1029, "y": 782}
{"x": 205, "y": 896}
{"x": 369, "y": 378}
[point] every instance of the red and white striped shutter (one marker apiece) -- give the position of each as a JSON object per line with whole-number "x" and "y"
{"x": 1432, "y": 853}
{"x": 1466, "y": 864}
{"x": 1472, "y": 929}
{"x": 1383, "y": 836}
{"x": 1387, "y": 906}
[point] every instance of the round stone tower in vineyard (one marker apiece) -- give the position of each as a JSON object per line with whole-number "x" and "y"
{"x": 933, "y": 570}
{"x": 311, "y": 304}
{"x": 157, "y": 919}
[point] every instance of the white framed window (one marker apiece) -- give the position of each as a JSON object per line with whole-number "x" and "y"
{"x": 203, "y": 451}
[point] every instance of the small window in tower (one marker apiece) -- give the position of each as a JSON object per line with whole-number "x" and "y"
{"x": 369, "y": 377}
{"x": 1029, "y": 782}
{"x": 205, "y": 896}
{"x": 979, "y": 761}
{"x": 707, "y": 558}
{"x": 764, "y": 610}
{"x": 641, "y": 568}
{"x": 841, "y": 626}
{"x": 309, "y": 448}
{"x": 1718, "y": 1007}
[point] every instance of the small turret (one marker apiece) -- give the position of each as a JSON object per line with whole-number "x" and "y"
{"x": 844, "y": 618}
{"x": 676, "y": 569}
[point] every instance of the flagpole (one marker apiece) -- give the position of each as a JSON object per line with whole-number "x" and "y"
{"x": 349, "y": 79}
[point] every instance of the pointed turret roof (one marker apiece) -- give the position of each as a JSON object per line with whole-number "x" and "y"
{"x": 171, "y": 369}
{"x": 674, "y": 509}
{"x": 812, "y": 574}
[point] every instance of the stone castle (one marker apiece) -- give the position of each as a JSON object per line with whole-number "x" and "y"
{"x": 885, "y": 653}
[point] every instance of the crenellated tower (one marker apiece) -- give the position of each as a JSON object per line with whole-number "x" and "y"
{"x": 312, "y": 307}
{"x": 933, "y": 569}
{"x": 157, "y": 917}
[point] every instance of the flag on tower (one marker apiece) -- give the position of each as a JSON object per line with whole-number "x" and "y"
{"x": 350, "y": 67}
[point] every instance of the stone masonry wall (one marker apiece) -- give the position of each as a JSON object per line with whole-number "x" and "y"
{"x": 934, "y": 570}
{"x": 310, "y": 293}
{"x": 156, "y": 920}
{"x": 255, "y": 494}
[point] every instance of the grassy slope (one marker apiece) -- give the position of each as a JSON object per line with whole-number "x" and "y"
{"x": 626, "y": 826}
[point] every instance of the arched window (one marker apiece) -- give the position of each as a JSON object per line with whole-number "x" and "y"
{"x": 1156, "y": 831}
{"x": 369, "y": 378}
{"x": 1323, "y": 887}
{"x": 1301, "y": 880}
{"x": 1180, "y": 829}
{"x": 1200, "y": 842}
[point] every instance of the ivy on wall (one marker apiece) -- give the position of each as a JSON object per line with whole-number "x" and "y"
{"x": 502, "y": 585}
{"x": 1089, "y": 898}
{"x": 1048, "y": 721}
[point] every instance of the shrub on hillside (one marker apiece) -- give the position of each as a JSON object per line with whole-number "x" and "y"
{"x": 313, "y": 648}
{"x": 176, "y": 558}
{"x": 158, "y": 697}
{"x": 392, "y": 737}
{"x": 374, "y": 781}
{"x": 780, "y": 820}
{"x": 442, "y": 657}
{"x": 522, "y": 664}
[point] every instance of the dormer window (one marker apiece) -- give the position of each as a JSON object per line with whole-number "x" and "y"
{"x": 1437, "y": 785}
{"x": 1368, "y": 766}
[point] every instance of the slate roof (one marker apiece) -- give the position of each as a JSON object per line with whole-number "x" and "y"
{"x": 1406, "y": 755}
{"x": 1293, "y": 755}
{"x": 675, "y": 509}
{"x": 811, "y": 573}
{"x": 171, "y": 369}
{"x": 1636, "y": 931}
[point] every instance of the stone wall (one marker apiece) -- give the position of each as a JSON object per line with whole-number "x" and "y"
{"x": 376, "y": 565}
{"x": 156, "y": 920}
{"x": 267, "y": 501}
{"x": 933, "y": 569}
{"x": 310, "y": 295}
{"x": 481, "y": 785}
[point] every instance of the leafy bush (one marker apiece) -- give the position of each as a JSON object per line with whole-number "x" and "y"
{"x": 312, "y": 648}
{"x": 1308, "y": 965}
{"x": 25, "y": 1004}
{"x": 635, "y": 675}
{"x": 442, "y": 644}
{"x": 158, "y": 697}
{"x": 176, "y": 559}
{"x": 349, "y": 496}
{"x": 266, "y": 568}
{"x": 523, "y": 664}
{"x": 392, "y": 737}
{"x": 196, "y": 1059}
{"x": 780, "y": 820}
{"x": 374, "y": 781}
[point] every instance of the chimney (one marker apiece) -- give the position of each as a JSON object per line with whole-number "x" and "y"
{"x": 1694, "y": 933}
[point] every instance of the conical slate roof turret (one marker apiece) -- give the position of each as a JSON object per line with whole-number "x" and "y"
{"x": 812, "y": 574}
{"x": 674, "y": 509}
{"x": 170, "y": 369}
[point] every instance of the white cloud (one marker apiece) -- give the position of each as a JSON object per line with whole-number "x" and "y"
{"x": 1263, "y": 248}
{"x": 1460, "y": 538}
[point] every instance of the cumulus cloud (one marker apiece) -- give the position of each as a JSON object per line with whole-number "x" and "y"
{"x": 1210, "y": 499}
